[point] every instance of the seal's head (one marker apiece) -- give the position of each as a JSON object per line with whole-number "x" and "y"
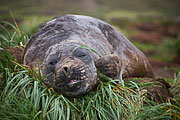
{"x": 69, "y": 69}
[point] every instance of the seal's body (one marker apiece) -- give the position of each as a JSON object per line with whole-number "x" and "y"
{"x": 71, "y": 49}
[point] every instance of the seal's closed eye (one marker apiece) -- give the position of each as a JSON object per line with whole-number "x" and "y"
{"x": 82, "y": 54}
{"x": 52, "y": 63}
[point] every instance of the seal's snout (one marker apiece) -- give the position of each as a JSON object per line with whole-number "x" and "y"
{"x": 70, "y": 74}
{"x": 68, "y": 67}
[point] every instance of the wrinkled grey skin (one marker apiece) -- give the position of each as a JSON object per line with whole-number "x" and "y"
{"x": 72, "y": 70}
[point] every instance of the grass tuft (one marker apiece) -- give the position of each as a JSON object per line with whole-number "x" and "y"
{"x": 12, "y": 36}
{"x": 27, "y": 98}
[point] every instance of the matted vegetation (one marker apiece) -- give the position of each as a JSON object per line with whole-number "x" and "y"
{"x": 23, "y": 95}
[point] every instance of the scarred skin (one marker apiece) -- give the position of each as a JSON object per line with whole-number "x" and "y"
{"x": 61, "y": 48}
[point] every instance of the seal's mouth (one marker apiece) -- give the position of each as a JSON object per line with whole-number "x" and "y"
{"x": 70, "y": 85}
{"x": 74, "y": 85}
{"x": 71, "y": 80}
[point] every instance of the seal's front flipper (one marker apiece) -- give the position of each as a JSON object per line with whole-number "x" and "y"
{"x": 109, "y": 65}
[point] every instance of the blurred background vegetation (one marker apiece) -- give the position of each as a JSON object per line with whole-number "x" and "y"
{"x": 152, "y": 25}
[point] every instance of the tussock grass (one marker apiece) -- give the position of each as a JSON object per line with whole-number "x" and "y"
{"x": 12, "y": 36}
{"x": 23, "y": 95}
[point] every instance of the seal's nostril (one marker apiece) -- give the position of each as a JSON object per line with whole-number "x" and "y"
{"x": 65, "y": 70}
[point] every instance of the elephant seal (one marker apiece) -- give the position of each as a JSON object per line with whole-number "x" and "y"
{"x": 64, "y": 51}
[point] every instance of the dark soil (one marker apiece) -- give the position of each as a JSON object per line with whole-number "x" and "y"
{"x": 16, "y": 53}
{"x": 155, "y": 33}
{"x": 148, "y": 33}
{"x": 163, "y": 69}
